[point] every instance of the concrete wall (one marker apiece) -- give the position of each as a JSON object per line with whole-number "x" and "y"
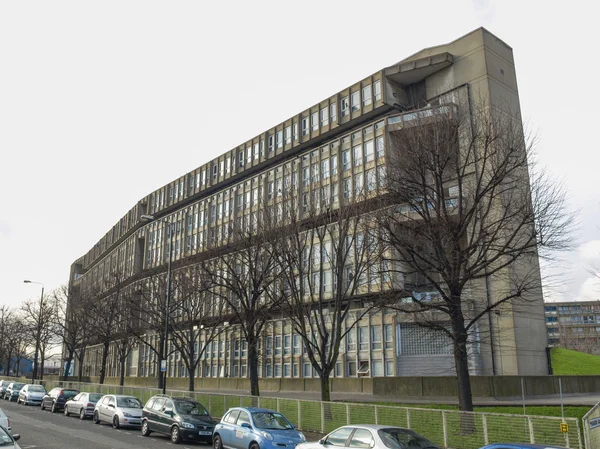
{"x": 396, "y": 387}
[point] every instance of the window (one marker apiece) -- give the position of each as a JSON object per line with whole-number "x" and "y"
{"x": 315, "y": 121}
{"x": 389, "y": 367}
{"x": 362, "y": 438}
{"x": 363, "y": 367}
{"x": 351, "y": 341}
{"x": 227, "y": 165}
{"x": 288, "y": 135}
{"x": 345, "y": 106}
{"x": 325, "y": 168}
{"x": 241, "y": 158}
{"x": 351, "y": 369}
{"x": 315, "y": 172}
{"x": 279, "y": 139}
{"x": 306, "y": 370}
{"x": 334, "y": 165}
{"x": 269, "y": 345}
{"x": 377, "y": 90}
{"x": 371, "y": 180}
{"x": 305, "y": 126}
{"x": 366, "y": 95}
{"x": 357, "y": 154}
{"x": 379, "y": 147}
{"x": 377, "y": 368}
{"x": 324, "y": 117}
{"x": 355, "y": 101}
{"x": 215, "y": 171}
{"x": 304, "y": 202}
{"x": 305, "y": 176}
{"x": 287, "y": 344}
{"x": 278, "y": 345}
{"x": 333, "y": 112}
{"x": 270, "y": 142}
{"x": 381, "y": 175}
{"x": 363, "y": 338}
{"x": 369, "y": 151}
{"x": 358, "y": 184}
{"x": 376, "y": 338}
{"x": 388, "y": 331}
{"x": 348, "y": 187}
{"x": 345, "y": 160}
{"x": 296, "y": 341}
{"x": 243, "y": 418}
{"x": 287, "y": 370}
{"x": 295, "y": 370}
{"x": 295, "y": 131}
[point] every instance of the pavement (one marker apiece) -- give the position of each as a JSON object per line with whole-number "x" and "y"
{"x": 587, "y": 400}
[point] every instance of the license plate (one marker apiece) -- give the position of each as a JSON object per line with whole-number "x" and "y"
{"x": 204, "y": 432}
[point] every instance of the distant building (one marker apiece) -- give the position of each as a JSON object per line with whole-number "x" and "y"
{"x": 574, "y": 325}
{"x": 24, "y": 367}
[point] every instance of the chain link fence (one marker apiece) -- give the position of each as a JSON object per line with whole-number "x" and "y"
{"x": 449, "y": 429}
{"x": 591, "y": 427}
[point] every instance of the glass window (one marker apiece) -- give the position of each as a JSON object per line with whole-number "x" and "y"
{"x": 395, "y": 438}
{"x": 279, "y": 139}
{"x": 376, "y": 337}
{"x": 324, "y": 117}
{"x": 277, "y": 372}
{"x": 366, "y": 95}
{"x": 369, "y": 151}
{"x": 295, "y": 131}
{"x": 287, "y": 344}
{"x": 377, "y": 90}
{"x": 345, "y": 106}
{"x": 363, "y": 338}
{"x": 345, "y": 159}
{"x": 315, "y": 121}
{"x": 232, "y": 417}
{"x": 351, "y": 340}
{"x": 358, "y": 184}
{"x": 388, "y": 331}
{"x": 325, "y": 168}
{"x": 296, "y": 340}
{"x": 278, "y": 345}
{"x": 288, "y": 135}
{"x": 351, "y": 369}
{"x": 334, "y": 165}
{"x": 348, "y": 187}
{"x": 355, "y": 101}
{"x": 357, "y": 154}
{"x": 307, "y": 370}
{"x": 333, "y": 112}
{"x": 389, "y": 367}
{"x": 379, "y": 147}
{"x": 371, "y": 180}
{"x": 243, "y": 418}
{"x": 339, "y": 437}
{"x": 362, "y": 438}
{"x": 305, "y": 126}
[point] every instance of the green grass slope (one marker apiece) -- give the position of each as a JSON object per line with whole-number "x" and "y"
{"x": 567, "y": 362}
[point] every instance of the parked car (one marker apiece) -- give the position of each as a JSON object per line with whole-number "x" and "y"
{"x": 118, "y": 409}
{"x": 31, "y": 394}
{"x": 12, "y": 391}
{"x": 82, "y": 404}
{"x": 372, "y": 436}
{"x": 255, "y": 428}
{"x": 3, "y": 385}
{"x": 520, "y": 446}
{"x": 181, "y": 418}
{"x": 9, "y": 441}
{"x": 56, "y": 398}
{"x": 4, "y": 421}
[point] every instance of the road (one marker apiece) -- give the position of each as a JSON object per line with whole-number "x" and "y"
{"x": 45, "y": 430}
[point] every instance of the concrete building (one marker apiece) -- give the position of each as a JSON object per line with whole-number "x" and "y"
{"x": 574, "y": 325}
{"x": 323, "y": 148}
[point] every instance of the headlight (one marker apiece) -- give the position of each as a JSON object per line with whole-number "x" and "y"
{"x": 301, "y": 435}
{"x": 187, "y": 425}
{"x": 267, "y": 435}
{"x": 127, "y": 415}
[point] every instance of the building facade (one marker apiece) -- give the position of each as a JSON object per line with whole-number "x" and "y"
{"x": 331, "y": 151}
{"x": 574, "y": 325}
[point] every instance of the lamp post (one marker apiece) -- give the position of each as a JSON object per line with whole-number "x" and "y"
{"x": 38, "y": 331}
{"x": 163, "y": 363}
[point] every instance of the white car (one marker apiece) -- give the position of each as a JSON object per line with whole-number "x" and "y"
{"x": 4, "y": 421}
{"x": 31, "y": 394}
{"x": 119, "y": 410}
{"x": 7, "y": 440}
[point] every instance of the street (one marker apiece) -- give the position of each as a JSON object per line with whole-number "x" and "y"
{"x": 45, "y": 430}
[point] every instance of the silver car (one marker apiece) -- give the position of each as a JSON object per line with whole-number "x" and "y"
{"x": 31, "y": 394}
{"x": 83, "y": 404}
{"x": 118, "y": 409}
{"x": 368, "y": 436}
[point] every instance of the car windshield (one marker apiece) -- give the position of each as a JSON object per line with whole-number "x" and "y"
{"x": 70, "y": 393}
{"x": 94, "y": 397}
{"x": 272, "y": 421}
{"x": 190, "y": 408}
{"x": 5, "y": 439}
{"x": 129, "y": 402}
{"x": 18, "y": 386}
{"x": 395, "y": 438}
{"x": 37, "y": 389}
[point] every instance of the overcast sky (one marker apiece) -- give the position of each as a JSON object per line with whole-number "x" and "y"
{"x": 103, "y": 102}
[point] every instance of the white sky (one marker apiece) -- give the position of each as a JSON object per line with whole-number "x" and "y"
{"x": 103, "y": 102}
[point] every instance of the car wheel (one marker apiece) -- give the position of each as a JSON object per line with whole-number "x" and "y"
{"x": 145, "y": 429}
{"x": 254, "y": 446}
{"x": 53, "y": 409}
{"x": 66, "y": 411}
{"x": 217, "y": 443}
{"x": 96, "y": 419}
{"x": 116, "y": 422}
{"x": 175, "y": 435}
{"x": 81, "y": 413}
{"x": 43, "y": 406}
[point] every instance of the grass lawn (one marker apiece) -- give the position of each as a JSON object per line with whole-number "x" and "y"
{"x": 567, "y": 362}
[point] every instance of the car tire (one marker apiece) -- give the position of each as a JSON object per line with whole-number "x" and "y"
{"x": 95, "y": 418}
{"x": 175, "y": 435}
{"x": 254, "y": 446}
{"x": 217, "y": 442}
{"x": 81, "y": 414}
{"x": 53, "y": 408}
{"x": 43, "y": 406}
{"x": 146, "y": 429}
{"x": 115, "y": 422}
{"x": 66, "y": 411}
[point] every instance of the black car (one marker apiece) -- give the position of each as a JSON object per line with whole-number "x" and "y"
{"x": 181, "y": 418}
{"x": 56, "y": 398}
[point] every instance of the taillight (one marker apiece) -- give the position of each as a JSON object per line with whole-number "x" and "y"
{"x": 90, "y": 404}
{"x": 8, "y": 423}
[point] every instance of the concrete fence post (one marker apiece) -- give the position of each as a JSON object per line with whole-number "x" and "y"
{"x": 445, "y": 428}
{"x": 322, "y": 417}
{"x": 376, "y": 415}
{"x": 407, "y": 418}
{"x": 278, "y": 409}
{"x": 531, "y": 431}
{"x": 299, "y": 415}
{"x": 348, "y": 414}
{"x": 486, "y": 438}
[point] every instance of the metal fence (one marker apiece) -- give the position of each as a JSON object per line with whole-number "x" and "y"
{"x": 591, "y": 427}
{"x": 449, "y": 429}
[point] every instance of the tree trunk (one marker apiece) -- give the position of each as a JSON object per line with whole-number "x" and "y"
{"x": 190, "y": 380}
{"x": 103, "y": 363}
{"x": 325, "y": 392}
{"x": 42, "y": 360}
{"x": 253, "y": 367}
{"x": 465, "y": 397}
{"x": 122, "y": 372}
{"x": 161, "y": 350}
{"x": 67, "y": 370}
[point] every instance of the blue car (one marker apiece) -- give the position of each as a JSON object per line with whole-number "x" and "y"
{"x": 520, "y": 446}
{"x": 255, "y": 428}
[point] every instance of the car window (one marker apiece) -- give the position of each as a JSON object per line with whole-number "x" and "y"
{"x": 339, "y": 437}
{"x": 168, "y": 406}
{"x": 94, "y": 397}
{"x": 111, "y": 401}
{"x": 395, "y": 438}
{"x": 190, "y": 408}
{"x": 5, "y": 439}
{"x": 105, "y": 400}
{"x": 77, "y": 398}
{"x": 158, "y": 404}
{"x": 243, "y": 418}
{"x": 36, "y": 388}
{"x": 362, "y": 438}
{"x": 232, "y": 417}
{"x": 150, "y": 403}
{"x": 271, "y": 421}
{"x": 69, "y": 393}
{"x": 130, "y": 402}
{"x": 18, "y": 386}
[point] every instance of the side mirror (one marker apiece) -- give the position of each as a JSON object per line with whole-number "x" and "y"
{"x": 246, "y": 425}
{"x": 322, "y": 441}
{"x": 16, "y": 437}
{"x": 111, "y": 405}
{"x": 169, "y": 413}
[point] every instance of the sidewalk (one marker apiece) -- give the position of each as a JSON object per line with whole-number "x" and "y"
{"x": 588, "y": 400}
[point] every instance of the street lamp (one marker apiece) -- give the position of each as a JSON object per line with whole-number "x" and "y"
{"x": 163, "y": 363}
{"x": 38, "y": 331}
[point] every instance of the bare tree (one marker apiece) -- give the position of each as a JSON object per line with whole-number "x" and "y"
{"x": 38, "y": 318}
{"x": 194, "y": 311}
{"x": 330, "y": 260}
{"x": 465, "y": 208}
{"x": 242, "y": 276}
{"x": 126, "y": 324}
